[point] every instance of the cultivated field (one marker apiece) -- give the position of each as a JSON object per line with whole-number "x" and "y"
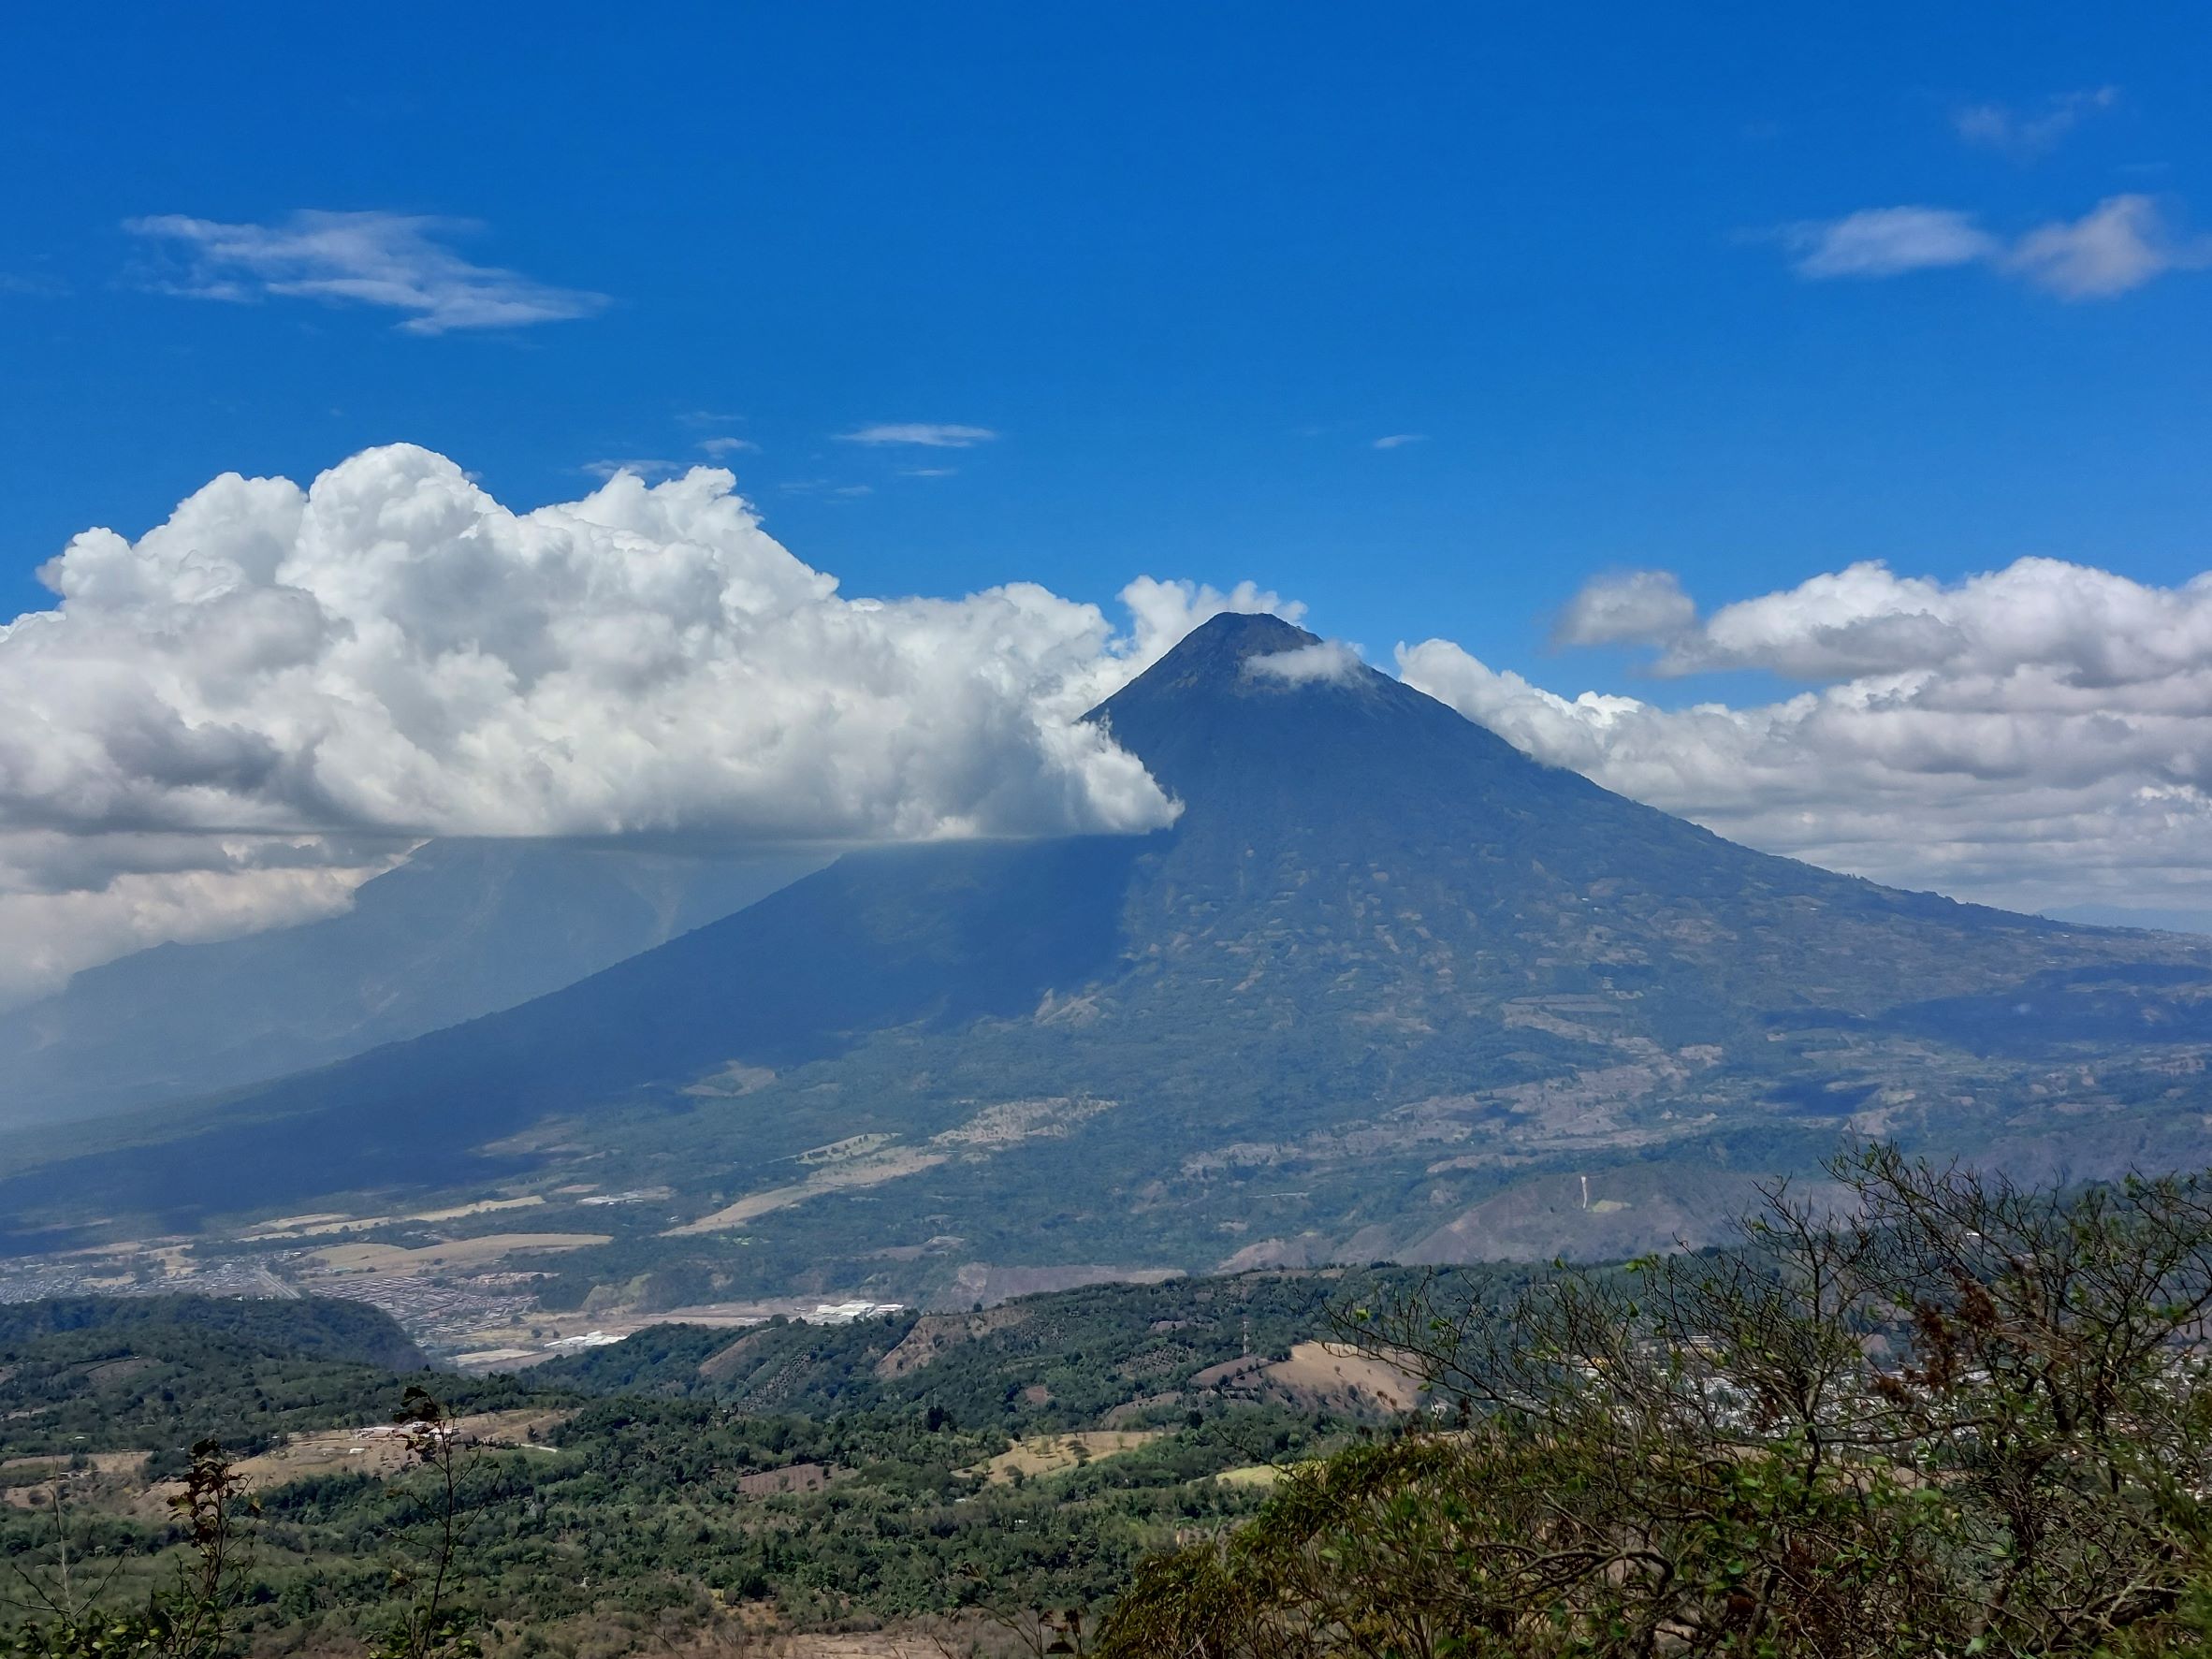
{"x": 1056, "y": 1454}
{"x": 451, "y": 1255}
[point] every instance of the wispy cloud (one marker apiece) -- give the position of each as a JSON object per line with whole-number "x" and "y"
{"x": 928, "y": 471}
{"x": 392, "y": 260}
{"x": 1887, "y": 241}
{"x": 32, "y": 287}
{"x": 2120, "y": 245}
{"x": 646, "y": 469}
{"x": 1398, "y": 440}
{"x": 822, "y": 489}
{"x": 718, "y": 447}
{"x": 928, "y": 434}
{"x": 1324, "y": 660}
{"x": 2029, "y": 137}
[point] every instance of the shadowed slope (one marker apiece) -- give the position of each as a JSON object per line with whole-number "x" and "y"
{"x": 933, "y": 934}
{"x": 462, "y": 928}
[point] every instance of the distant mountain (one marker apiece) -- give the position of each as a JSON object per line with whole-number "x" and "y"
{"x": 462, "y": 928}
{"x": 1388, "y": 988}
{"x": 2163, "y": 921}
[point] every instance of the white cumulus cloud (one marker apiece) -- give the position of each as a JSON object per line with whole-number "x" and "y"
{"x": 2038, "y": 736}
{"x": 1325, "y": 660}
{"x": 1629, "y": 606}
{"x": 280, "y": 683}
{"x": 394, "y": 260}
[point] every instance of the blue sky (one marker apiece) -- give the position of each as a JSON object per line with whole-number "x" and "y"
{"x": 1189, "y": 263}
{"x": 1822, "y": 390}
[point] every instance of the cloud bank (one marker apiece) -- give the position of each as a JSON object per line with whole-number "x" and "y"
{"x": 231, "y": 721}
{"x": 2033, "y": 736}
{"x": 280, "y": 683}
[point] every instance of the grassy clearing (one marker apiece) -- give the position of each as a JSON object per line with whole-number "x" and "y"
{"x": 1038, "y": 1455}
{"x": 300, "y": 1227}
{"x": 452, "y": 1253}
{"x": 1260, "y": 1476}
{"x": 379, "y": 1450}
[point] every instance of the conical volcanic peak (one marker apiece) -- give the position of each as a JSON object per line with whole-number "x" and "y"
{"x": 1255, "y": 708}
{"x": 1219, "y": 653}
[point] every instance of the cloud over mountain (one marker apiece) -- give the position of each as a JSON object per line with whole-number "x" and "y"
{"x": 229, "y": 722}
{"x": 2033, "y": 735}
{"x": 281, "y": 680}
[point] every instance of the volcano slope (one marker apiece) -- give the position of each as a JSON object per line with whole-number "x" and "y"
{"x": 1388, "y": 988}
{"x": 461, "y": 929}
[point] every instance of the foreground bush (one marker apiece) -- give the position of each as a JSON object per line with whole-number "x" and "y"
{"x": 1930, "y": 1414}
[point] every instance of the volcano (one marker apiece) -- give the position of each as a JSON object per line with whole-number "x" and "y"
{"x": 1387, "y": 988}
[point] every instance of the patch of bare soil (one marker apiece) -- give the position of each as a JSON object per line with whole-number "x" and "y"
{"x": 934, "y": 1335}
{"x": 725, "y": 1363}
{"x": 870, "y": 1167}
{"x": 988, "y": 1283}
{"x": 1325, "y": 1374}
{"x": 1009, "y": 1123}
{"x": 1610, "y": 1213}
{"x": 791, "y": 1478}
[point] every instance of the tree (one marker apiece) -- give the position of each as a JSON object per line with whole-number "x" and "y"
{"x": 1931, "y": 1413}
{"x": 429, "y": 1628}
{"x": 193, "y": 1621}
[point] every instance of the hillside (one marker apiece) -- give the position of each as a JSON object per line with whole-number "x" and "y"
{"x": 599, "y": 1517}
{"x": 161, "y": 1372}
{"x": 1068, "y": 1360}
{"x": 1388, "y": 988}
